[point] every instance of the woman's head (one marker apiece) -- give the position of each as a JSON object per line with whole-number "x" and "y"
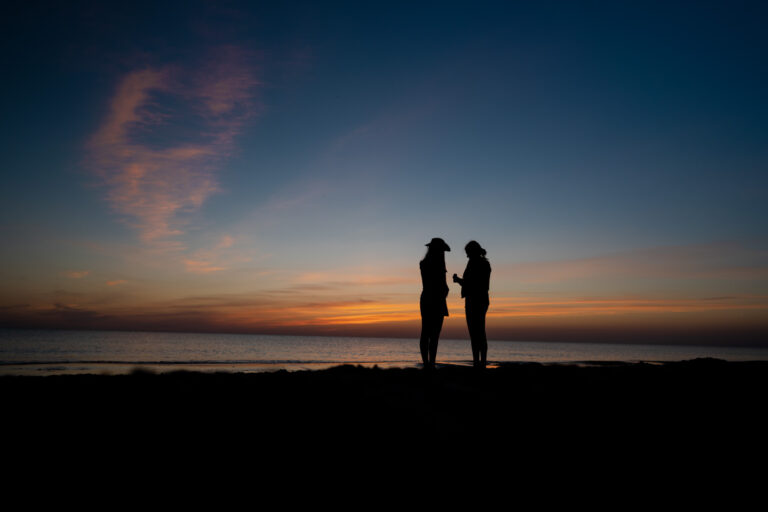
{"x": 438, "y": 244}
{"x": 436, "y": 251}
{"x": 473, "y": 250}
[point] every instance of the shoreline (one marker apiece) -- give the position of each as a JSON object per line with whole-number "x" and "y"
{"x": 700, "y": 378}
{"x": 116, "y": 368}
{"x": 596, "y": 420}
{"x": 540, "y": 418}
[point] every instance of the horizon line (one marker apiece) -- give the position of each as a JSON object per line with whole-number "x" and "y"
{"x": 597, "y": 341}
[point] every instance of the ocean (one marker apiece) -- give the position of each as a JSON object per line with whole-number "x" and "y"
{"x": 48, "y": 352}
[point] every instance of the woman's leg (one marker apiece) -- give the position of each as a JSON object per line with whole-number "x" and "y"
{"x": 469, "y": 312}
{"x": 424, "y": 341}
{"x": 476, "y": 325}
{"x": 437, "y": 326}
{"x": 482, "y": 339}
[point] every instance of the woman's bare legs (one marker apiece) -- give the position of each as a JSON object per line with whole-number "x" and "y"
{"x": 430, "y": 335}
{"x": 476, "y": 325}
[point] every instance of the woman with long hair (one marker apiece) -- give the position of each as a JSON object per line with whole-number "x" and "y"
{"x": 474, "y": 290}
{"x": 432, "y": 303}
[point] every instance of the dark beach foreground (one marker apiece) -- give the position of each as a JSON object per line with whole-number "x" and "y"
{"x": 662, "y": 421}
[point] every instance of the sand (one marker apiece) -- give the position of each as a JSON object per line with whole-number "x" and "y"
{"x": 609, "y": 418}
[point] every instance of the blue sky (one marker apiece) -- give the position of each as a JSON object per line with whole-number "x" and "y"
{"x": 276, "y": 148}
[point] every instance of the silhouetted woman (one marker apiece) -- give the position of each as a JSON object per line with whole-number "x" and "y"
{"x": 474, "y": 289}
{"x": 432, "y": 304}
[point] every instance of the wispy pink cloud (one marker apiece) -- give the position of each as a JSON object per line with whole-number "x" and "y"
{"x": 201, "y": 266}
{"x": 219, "y": 255}
{"x": 166, "y": 134}
{"x": 76, "y": 274}
{"x": 225, "y": 242}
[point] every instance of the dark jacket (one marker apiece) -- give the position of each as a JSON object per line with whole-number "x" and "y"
{"x": 476, "y": 280}
{"x": 434, "y": 288}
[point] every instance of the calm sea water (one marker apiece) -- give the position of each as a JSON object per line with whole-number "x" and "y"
{"x": 46, "y": 352}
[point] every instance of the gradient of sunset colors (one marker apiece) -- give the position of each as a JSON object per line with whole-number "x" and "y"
{"x": 278, "y": 168}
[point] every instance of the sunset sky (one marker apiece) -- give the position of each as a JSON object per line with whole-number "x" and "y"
{"x": 277, "y": 167}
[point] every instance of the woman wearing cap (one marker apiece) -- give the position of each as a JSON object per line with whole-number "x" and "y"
{"x": 474, "y": 289}
{"x": 432, "y": 304}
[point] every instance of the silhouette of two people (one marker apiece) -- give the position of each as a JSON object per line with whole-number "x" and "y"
{"x": 434, "y": 308}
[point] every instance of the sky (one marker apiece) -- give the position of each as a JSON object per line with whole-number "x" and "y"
{"x": 277, "y": 167}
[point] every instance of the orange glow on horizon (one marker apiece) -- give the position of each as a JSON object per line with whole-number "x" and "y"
{"x": 347, "y": 313}
{"x": 327, "y": 310}
{"x": 517, "y": 307}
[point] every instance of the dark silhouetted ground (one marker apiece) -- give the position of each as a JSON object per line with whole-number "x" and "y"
{"x": 651, "y": 423}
